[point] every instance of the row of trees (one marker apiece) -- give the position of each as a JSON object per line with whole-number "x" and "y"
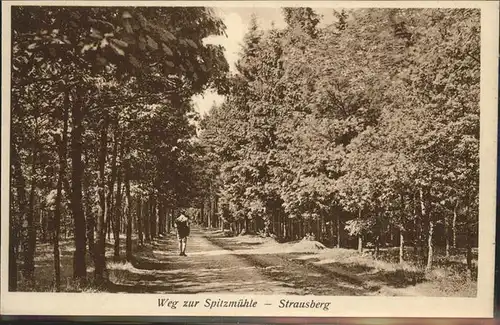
{"x": 363, "y": 131}
{"x": 101, "y": 126}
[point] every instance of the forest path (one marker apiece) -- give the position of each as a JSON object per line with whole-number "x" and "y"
{"x": 214, "y": 265}
{"x": 206, "y": 268}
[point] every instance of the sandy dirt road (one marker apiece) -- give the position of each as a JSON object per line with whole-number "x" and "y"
{"x": 213, "y": 267}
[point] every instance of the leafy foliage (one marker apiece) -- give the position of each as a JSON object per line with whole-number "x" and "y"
{"x": 371, "y": 122}
{"x": 113, "y": 86}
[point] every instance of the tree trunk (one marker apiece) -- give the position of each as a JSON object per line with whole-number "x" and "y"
{"x": 118, "y": 212}
{"x": 168, "y": 222}
{"x": 323, "y": 229}
{"x": 90, "y": 220}
{"x": 421, "y": 238}
{"x": 360, "y": 236}
{"x": 338, "y": 231}
{"x": 216, "y": 209}
{"x": 446, "y": 235}
{"x": 468, "y": 245}
{"x": 416, "y": 226}
{"x": 30, "y": 241}
{"x": 318, "y": 228}
{"x": 331, "y": 233}
{"x": 401, "y": 246}
{"x": 109, "y": 212}
{"x": 20, "y": 185}
{"x": 146, "y": 221}
{"x": 160, "y": 216}
{"x": 99, "y": 255}
{"x": 79, "y": 265}
{"x": 58, "y": 206}
{"x": 454, "y": 225}
{"x": 89, "y": 213}
{"x": 166, "y": 219}
{"x": 430, "y": 242}
{"x": 289, "y": 228}
{"x": 163, "y": 217}
{"x": 430, "y": 245}
{"x": 209, "y": 215}
{"x": 202, "y": 215}
{"x": 43, "y": 226}
{"x": 128, "y": 211}
{"x": 154, "y": 217}
{"x": 140, "y": 220}
{"x": 469, "y": 254}
{"x": 424, "y": 215}
{"x": 13, "y": 240}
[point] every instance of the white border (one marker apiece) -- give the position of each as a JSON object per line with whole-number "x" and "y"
{"x": 16, "y": 303}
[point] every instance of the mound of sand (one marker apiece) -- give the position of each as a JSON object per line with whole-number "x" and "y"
{"x": 307, "y": 246}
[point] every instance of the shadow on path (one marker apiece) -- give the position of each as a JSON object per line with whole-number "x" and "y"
{"x": 157, "y": 268}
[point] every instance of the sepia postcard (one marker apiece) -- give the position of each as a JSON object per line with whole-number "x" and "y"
{"x": 293, "y": 159}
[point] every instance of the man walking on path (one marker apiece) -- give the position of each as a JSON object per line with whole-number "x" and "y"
{"x": 182, "y": 225}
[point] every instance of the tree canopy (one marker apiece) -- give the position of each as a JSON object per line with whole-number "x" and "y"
{"x": 353, "y": 129}
{"x": 102, "y": 118}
